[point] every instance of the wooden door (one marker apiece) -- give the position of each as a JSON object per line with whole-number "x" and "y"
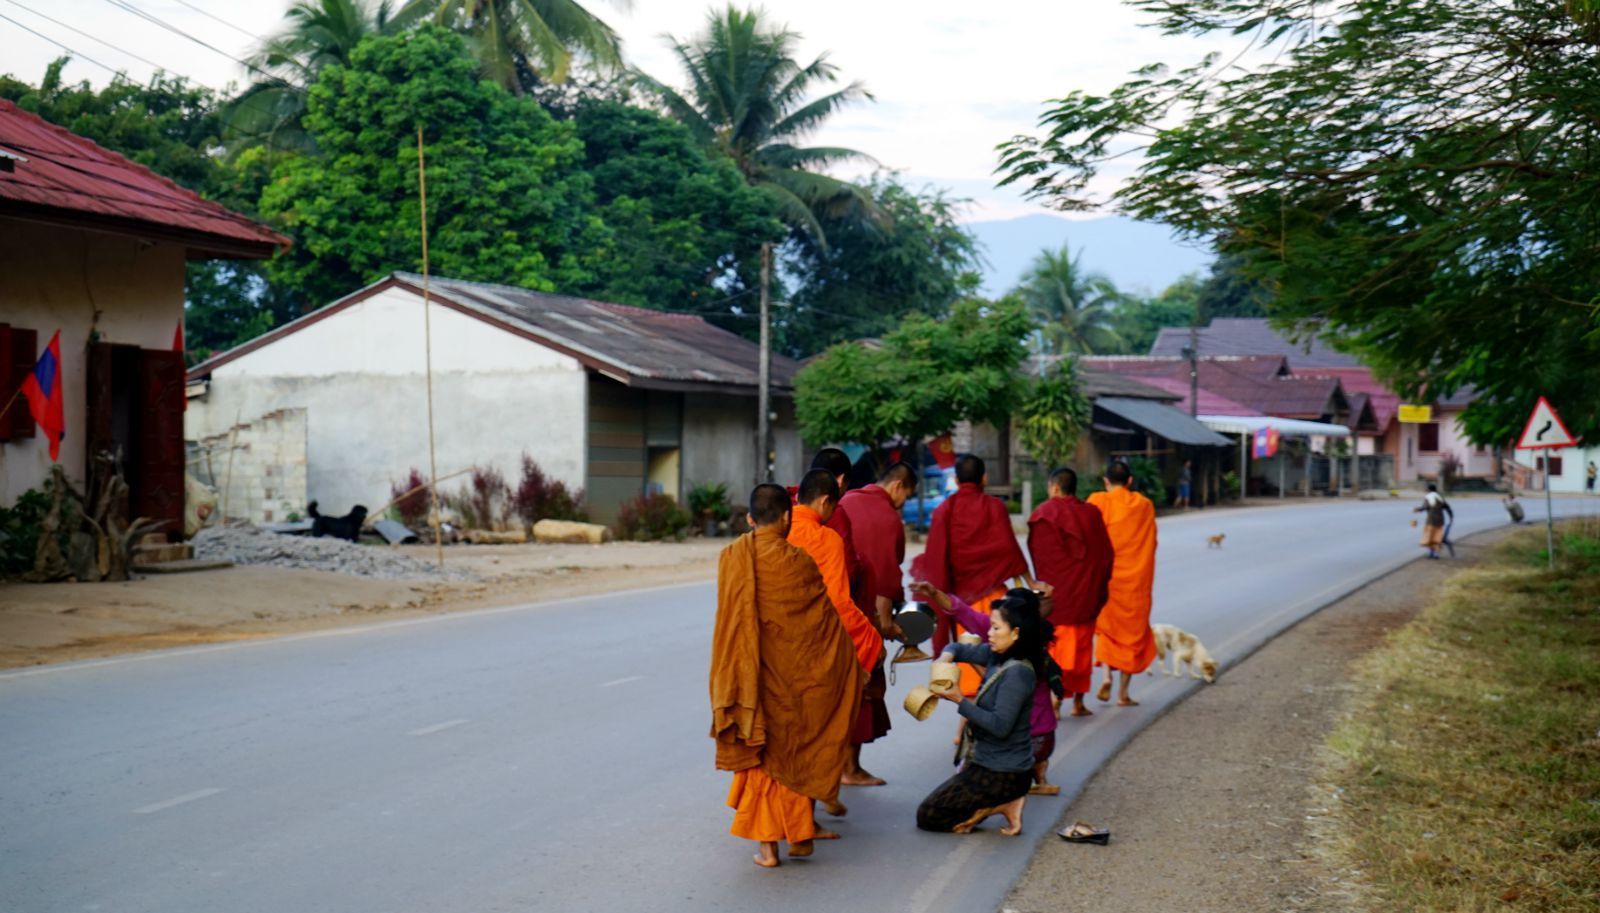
{"x": 156, "y": 473}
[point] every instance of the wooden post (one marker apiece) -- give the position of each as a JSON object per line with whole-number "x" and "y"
{"x": 427, "y": 350}
{"x": 764, "y": 395}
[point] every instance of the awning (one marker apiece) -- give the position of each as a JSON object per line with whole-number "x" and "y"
{"x": 1287, "y": 427}
{"x": 1163, "y": 421}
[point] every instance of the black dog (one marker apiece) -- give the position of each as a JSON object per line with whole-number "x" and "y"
{"x": 345, "y": 527}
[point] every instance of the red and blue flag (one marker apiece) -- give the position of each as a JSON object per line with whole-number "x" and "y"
{"x": 43, "y": 391}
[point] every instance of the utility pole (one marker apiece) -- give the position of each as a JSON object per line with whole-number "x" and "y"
{"x": 764, "y": 396}
{"x": 1194, "y": 370}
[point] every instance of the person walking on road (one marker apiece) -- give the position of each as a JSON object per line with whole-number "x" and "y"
{"x": 997, "y": 745}
{"x": 785, "y": 684}
{"x": 1589, "y": 477}
{"x": 1185, "y": 484}
{"x": 1433, "y": 525}
{"x": 1123, "y": 641}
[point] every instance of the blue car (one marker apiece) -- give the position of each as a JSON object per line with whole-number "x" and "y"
{"x": 937, "y": 484}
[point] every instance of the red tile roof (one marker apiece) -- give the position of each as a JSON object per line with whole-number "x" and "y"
{"x": 1252, "y": 381}
{"x": 1252, "y": 336}
{"x": 69, "y": 180}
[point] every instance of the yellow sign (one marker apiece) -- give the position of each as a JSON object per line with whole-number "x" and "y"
{"x": 1416, "y": 414}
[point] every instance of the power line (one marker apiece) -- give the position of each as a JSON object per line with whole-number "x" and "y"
{"x": 112, "y": 70}
{"x": 250, "y": 35}
{"x": 79, "y": 31}
{"x": 129, "y": 7}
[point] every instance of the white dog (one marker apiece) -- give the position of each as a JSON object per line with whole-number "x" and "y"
{"x": 1184, "y": 648}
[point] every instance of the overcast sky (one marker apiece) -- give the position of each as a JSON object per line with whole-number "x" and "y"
{"x": 951, "y": 80}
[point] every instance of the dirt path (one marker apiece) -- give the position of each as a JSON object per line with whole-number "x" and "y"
{"x": 1209, "y": 807}
{"x": 60, "y": 622}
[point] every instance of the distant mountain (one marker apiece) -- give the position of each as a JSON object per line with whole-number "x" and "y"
{"x": 1137, "y": 256}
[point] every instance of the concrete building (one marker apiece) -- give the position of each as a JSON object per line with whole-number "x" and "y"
{"x": 612, "y": 399}
{"x": 95, "y": 246}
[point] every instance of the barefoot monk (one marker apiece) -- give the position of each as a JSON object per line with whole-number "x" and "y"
{"x": 880, "y": 541}
{"x": 1122, "y": 638}
{"x": 785, "y": 683}
{"x": 972, "y": 553}
{"x": 1072, "y": 552}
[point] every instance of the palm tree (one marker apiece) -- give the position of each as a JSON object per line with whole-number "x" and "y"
{"x": 320, "y": 32}
{"x": 747, "y": 99}
{"x": 519, "y": 40}
{"x": 1075, "y": 307}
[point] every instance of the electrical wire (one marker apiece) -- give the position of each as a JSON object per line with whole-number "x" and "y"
{"x": 79, "y": 31}
{"x": 112, "y": 70}
{"x": 208, "y": 15}
{"x": 154, "y": 20}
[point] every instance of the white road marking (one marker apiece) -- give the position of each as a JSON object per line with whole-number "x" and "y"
{"x": 438, "y": 727}
{"x": 180, "y": 800}
{"x": 623, "y": 681}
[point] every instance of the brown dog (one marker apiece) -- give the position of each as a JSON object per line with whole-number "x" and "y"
{"x": 1215, "y": 541}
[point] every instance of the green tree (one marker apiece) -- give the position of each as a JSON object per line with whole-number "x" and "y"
{"x": 1054, "y": 415}
{"x": 747, "y": 98}
{"x": 686, "y": 227}
{"x": 319, "y": 32}
{"x": 508, "y": 200}
{"x": 1140, "y": 320}
{"x": 925, "y": 376}
{"x": 1075, "y": 308}
{"x": 870, "y": 275}
{"x": 523, "y": 42}
{"x": 1415, "y": 177}
{"x": 1229, "y": 292}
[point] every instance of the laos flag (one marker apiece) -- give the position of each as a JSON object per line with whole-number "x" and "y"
{"x": 43, "y": 390}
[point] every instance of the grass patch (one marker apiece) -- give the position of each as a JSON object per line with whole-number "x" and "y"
{"x": 1467, "y": 774}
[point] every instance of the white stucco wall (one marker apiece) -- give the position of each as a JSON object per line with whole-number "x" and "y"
{"x": 1574, "y": 463}
{"x": 359, "y": 374}
{"x": 128, "y": 291}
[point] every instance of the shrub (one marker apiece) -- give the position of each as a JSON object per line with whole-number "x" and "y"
{"x": 709, "y": 501}
{"x": 1088, "y": 484}
{"x": 1230, "y": 484}
{"x": 1449, "y": 471}
{"x": 483, "y": 502}
{"x": 1147, "y": 479}
{"x": 412, "y": 507}
{"x": 19, "y": 532}
{"x": 539, "y": 497}
{"x": 651, "y": 517}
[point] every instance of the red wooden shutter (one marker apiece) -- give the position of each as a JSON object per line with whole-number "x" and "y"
{"x": 17, "y": 357}
{"x": 156, "y": 478}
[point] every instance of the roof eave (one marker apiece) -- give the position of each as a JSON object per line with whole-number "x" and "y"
{"x": 198, "y": 245}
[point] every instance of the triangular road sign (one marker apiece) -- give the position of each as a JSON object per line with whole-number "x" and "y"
{"x": 1544, "y": 429}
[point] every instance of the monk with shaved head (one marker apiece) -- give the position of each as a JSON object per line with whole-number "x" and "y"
{"x": 785, "y": 684}
{"x": 1072, "y": 552}
{"x": 1123, "y": 640}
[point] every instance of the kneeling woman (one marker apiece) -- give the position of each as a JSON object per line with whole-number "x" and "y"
{"x": 996, "y": 744}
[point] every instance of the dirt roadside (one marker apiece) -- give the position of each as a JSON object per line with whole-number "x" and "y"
{"x": 61, "y": 622}
{"x": 1210, "y": 807}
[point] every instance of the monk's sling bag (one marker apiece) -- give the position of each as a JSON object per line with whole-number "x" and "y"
{"x": 969, "y": 742}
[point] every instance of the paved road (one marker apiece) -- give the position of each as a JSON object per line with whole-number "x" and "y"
{"x": 548, "y": 757}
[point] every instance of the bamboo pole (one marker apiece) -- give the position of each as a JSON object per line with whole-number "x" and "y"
{"x": 227, "y": 486}
{"x": 427, "y": 346}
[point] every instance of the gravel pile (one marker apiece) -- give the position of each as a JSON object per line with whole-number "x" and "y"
{"x": 248, "y": 545}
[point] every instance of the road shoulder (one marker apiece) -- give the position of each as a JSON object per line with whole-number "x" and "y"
{"x": 1210, "y": 806}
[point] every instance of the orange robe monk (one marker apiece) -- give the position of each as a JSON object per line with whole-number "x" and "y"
{"x": 826, "y": 548}
{"x": 1072, "y": 552}
{"x": 1122, "y": 632}
{"x": 785, "y": 687}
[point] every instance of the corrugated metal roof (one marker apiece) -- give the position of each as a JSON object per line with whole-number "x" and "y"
{"x": 1163, "y": 421}
{"x": 1251, "y": 336}
{"x": 644, "y": 344}
{"x": 1291, "y": 427}
{"x": 64, "y": 178}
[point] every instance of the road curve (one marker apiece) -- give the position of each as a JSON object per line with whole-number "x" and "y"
{"x": 553, "y": 756}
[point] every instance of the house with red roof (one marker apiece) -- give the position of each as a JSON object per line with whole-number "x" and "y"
{"x": 1416, "y": 450}
{"x": 94, "y": 247}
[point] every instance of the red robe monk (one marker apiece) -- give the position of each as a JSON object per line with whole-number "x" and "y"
{"x": 785, "y": 684}
{"x": 880, "y": 544}
{"x": 1123, "y": 640}
{"x": 1072, "y": 552}
{"x": 972, "y": 552}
